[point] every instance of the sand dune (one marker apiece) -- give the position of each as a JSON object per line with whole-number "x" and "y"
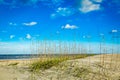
{"x": 99, "y": 67}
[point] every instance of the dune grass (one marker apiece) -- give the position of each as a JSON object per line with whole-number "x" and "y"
{"x": 49, "y": 62}
{"x": 46, "y": 64}
{"x": 13, "y": 64}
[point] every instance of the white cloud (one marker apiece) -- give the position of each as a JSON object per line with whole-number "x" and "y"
{"x": 88, "y": 6}
{"x": 12, "y": 36}
{"x": 65, "y": 11}
{"x": 68, "y": 26}
{"x": 114, "y": 31}
{"x": 30, "y": 24}
{"x": 28, "y": 36}
{"x": 12, "y": 24}
{"x": 54, "y": 15}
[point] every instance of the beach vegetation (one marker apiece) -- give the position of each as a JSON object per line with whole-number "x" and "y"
{"x": 13, "y": 64}
{"x": 47, "y": 63}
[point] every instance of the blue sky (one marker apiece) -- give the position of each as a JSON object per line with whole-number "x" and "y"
{"x": 65, "y": 20}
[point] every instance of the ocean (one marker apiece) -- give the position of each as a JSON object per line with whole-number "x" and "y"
{"x": 22, "y": 56}
{"x": 16, "y": 56}
{"x": 28, "y": 56}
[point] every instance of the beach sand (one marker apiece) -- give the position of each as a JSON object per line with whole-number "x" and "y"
{"x": 98, "y": 67}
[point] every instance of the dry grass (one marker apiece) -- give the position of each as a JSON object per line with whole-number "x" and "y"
{"x": 46, "y": 62}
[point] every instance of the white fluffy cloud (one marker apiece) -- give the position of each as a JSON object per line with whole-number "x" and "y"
{"x": 28, "y": 36}
{"x": 30, "y": 24}
{"x": 12, "y": 36}
{"x": 68, "y": 26}
{"x": 88, "y": 6}
{"x": 63, "y": 11}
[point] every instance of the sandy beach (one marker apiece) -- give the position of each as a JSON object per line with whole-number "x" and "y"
{"x": 98, "y": 67}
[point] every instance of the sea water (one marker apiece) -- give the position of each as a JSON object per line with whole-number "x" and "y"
{"x": 16, "y": 56}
